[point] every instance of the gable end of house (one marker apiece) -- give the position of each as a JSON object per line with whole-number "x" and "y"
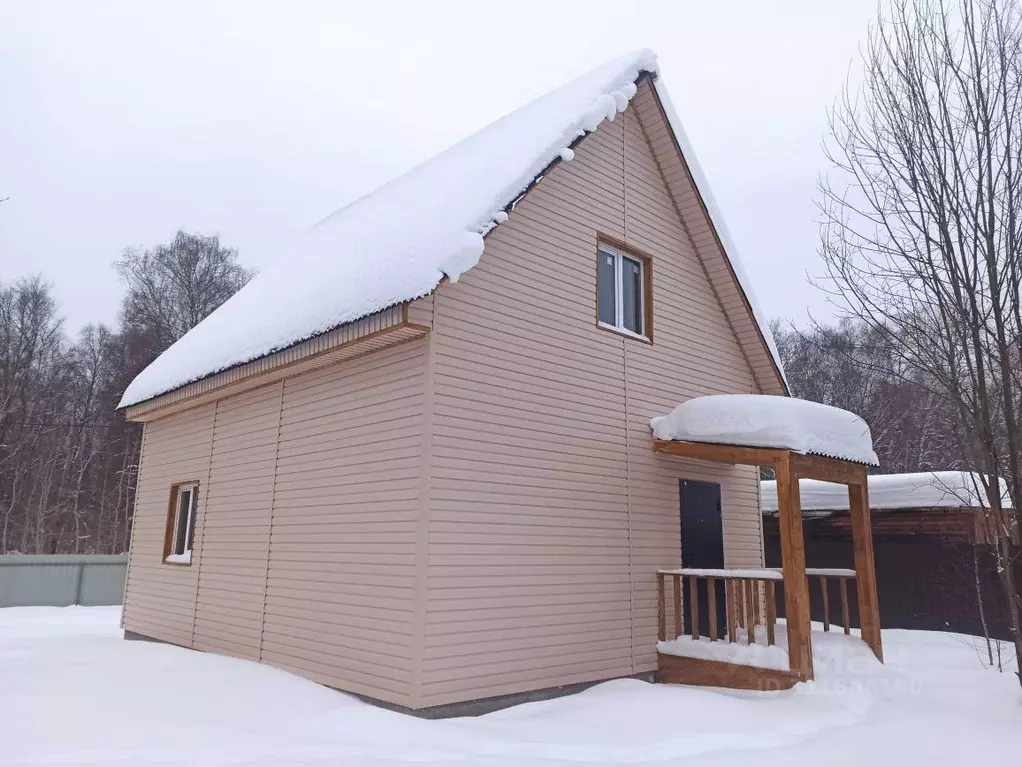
{"x": 392, "y": 324}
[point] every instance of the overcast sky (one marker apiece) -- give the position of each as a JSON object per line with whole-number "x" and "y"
{"x": 121, "y": 122}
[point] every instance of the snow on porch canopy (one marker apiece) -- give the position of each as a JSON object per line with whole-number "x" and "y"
{"x": 760, "y": 420}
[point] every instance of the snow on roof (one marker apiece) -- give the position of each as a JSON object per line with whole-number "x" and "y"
{"x": 760, "y": 420}
{"x": 923, "y": 490}
{"x": 398, "y": 242}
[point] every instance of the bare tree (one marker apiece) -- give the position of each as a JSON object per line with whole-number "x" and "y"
{"x": 171, "y": 288}
{"x": 68, "y": 462}
{"x": 921, "y": 233}
{"x": 851, "y": 366}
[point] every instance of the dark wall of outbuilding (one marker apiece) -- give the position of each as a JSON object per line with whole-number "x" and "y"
{"x": 924, "y": 581}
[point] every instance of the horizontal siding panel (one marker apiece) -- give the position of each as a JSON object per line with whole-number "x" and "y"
{"x": 322, "y": 576}
{"x": 318, "y": 439}
{"x": 159, "y": 599}
{"x": 541, "y": 511}
{"x": 229, "y": 608}
{"x": 344, "y": 566}
{"x": 311, "y": 636}
{"x": 337, "y": 628}
{"x": 510, "y": 651}
{"x": 498, "y": 678}
{"x": 450, "y": 627}
{"x": 516, "y": 531}
{"x": 373, "y": 605}
{"x": 307, "y": 435}
{"x": 521, "y": 646}
{"x": 337, "y": 671}
{"x": 319, "y": 512}
{"x": 340, "y": 580}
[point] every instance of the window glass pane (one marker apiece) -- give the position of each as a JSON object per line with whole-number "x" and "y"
{"x": 191, "y": 518}
{"x": 631, "y": 294}
{"x": 605, "y": 288}
{"x": 184, "y": 503}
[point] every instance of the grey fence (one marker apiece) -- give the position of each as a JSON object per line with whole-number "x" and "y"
{"x": 62, "y": 579}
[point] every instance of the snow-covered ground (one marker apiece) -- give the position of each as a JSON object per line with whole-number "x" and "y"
{"x": 73, "y": 692}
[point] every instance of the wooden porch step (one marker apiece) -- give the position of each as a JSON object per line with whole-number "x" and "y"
{"x": 675, "y": 669}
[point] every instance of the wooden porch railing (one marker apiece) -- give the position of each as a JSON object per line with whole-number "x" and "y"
{"x": 750, "y": 601}
{"x": 823, "y": 577}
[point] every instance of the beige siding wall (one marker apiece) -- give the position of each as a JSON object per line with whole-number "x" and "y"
{"x": 695, "y": 353}
{"x": 340, "y": 593}
{"x": 159, "y": 599}
{"x": 308, "y": 513}
{"x": 548, "y": 512}
{"x": 233, "y": 532}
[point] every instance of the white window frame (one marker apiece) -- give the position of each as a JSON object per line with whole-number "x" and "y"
{"x": 619, "y": 304}
{"x": 171, "y": 557}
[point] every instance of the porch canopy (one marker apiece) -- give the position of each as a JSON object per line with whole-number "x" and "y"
{"x": 797, "y": 439}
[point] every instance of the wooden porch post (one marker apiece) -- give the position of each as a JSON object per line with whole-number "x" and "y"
{"x": 793, "y": 561}
{"x": 865, "y": 572}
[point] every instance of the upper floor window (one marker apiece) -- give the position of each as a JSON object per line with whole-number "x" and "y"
{"x": 177, "y": 545}
{"x": 622, "y": 291}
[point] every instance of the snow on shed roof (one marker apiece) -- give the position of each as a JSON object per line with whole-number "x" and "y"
{"x": 922, "y": 490}
{"x": 760, "y": 420}
{"x": 398, "y": 242}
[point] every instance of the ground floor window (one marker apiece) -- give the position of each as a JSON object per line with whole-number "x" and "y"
{"x": 177, "y": 546}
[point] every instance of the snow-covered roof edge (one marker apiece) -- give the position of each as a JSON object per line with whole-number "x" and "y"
{"x": 717, "y": 220}
{"x": 915, "y": 490}
{"x": 615, "y": 100}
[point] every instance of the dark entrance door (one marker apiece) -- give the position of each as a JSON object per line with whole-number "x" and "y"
{"x": 702, "y": 543}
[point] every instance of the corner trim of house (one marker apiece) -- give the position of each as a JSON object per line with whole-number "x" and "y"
{"x": 422, "y": 525}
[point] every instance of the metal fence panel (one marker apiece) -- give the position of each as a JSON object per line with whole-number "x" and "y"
{"x": 60, "y": 580}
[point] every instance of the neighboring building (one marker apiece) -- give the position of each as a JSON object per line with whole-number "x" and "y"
{"x": 924, "y": 527}
{"x": 947, "y": 504}
{"x": 422, "y": 472}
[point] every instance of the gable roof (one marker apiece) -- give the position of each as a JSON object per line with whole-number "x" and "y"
{"x": 397, "y": 243}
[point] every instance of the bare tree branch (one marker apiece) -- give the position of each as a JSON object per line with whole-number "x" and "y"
{"x": 920, "y": 225}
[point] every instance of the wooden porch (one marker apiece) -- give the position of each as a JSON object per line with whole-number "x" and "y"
{"x": 742, "y": 648}
{"x": 749, "y": 620}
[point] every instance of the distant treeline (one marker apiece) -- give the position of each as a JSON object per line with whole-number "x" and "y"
{"x": 851, "y": 366}
{"x": 68, "y": 461}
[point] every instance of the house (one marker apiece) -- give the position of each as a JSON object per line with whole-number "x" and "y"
{"x": 412, "y": 460}
{"x": 923, "y": 529}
